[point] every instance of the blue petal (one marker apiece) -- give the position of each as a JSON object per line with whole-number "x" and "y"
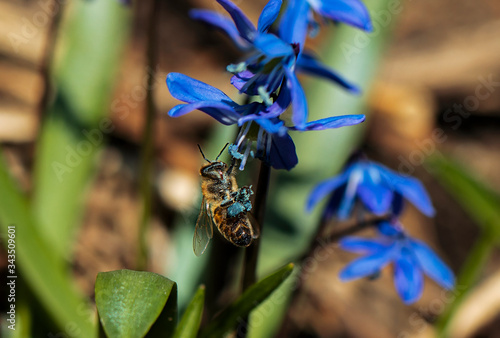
{"x": 271, "y": 112}
{"x": 375, "y": 196}
{"x": 309, "y": 64}
{"x": 362, "y": 245}
{"x": 324, "y": 188}
{"x": 390, "y": 230}
{"x": 334, "y": 122}
{"x": 347, "y": 203}
{"x": 432, "y": 265}
{"x": 272, "y": 126}
{"x": 240, "y": 79}
{"x": 282, "y": 154}
{"x": 189, "y": 90}
{"x": 333, "y": 204}
{"x": 268, "y": 15}
{"x": 244, "y": 26}
{"x": 299, "y": 102}
{"x": 410, "y": 188}
{"x": 294, "y": 22}
{"x": 218, "y": 110}
{"x": 414, "y": 191}
{"x": 408, "y": 279}
{"x": 272, "y": 46}
{"x": 352, "y": 12}
{"x": 367, "y": 265}
{"x": 397, "y": 204}
{"x": 222, "y": 22}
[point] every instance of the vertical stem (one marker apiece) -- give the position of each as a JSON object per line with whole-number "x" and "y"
{"x": 46, "y": 62}
{"x": 252, "y": 252}
{"x": 148, "y": 139}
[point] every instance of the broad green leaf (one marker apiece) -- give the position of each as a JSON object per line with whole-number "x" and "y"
{"x": 242, "y": 307}
{"x": 36, "y": 263}
{"x": 190, "y": 322}
{"x": 75, "y": 126}
{"x": 130, "y": 302}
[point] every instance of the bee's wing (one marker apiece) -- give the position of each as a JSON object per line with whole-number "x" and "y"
{"x": 254, "y": 224}
{"x": 204, "y": 229}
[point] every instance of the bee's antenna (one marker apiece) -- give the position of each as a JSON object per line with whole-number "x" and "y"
{"x": 206, "y": 159}
{"x": 221, "y": 152}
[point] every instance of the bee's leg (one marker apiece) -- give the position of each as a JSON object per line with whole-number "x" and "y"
{"x": 229, "y": 171}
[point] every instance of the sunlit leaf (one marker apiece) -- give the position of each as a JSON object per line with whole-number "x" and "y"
{"x": 35, "y": 261}
{"x": 130, "y": 302}
{"x": 75, "y": 126}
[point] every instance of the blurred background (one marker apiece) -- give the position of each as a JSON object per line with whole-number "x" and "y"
{"x": 431, "y": 80}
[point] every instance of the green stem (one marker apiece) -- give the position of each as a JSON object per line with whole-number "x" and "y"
{"x": 48, "y": 56}
{"x": 252, "y": 252}
{"x": 147, "y": 159}
{"x": 469, "y": 275}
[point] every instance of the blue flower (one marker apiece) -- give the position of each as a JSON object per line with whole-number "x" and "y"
{"x": 306, "y": 62}
{"x": 411, "y": 258}
{"x": 259, "y": 122}
{"x": 378, "y": 188}
{"x": 299, "y": 16}
{"x": 273, "y": 62}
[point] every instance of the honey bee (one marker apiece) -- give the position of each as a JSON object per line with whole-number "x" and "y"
{"x": 223, "y": 204}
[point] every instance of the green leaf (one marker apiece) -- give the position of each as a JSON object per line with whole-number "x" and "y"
{"x": 481, "y": 203}
{"x": 190, "y": 322}
{"x": 242, "y": 307}
{"x": 75, "y": 126}
{"x": 130, "y": 302}
{"x": 36, "y": 263}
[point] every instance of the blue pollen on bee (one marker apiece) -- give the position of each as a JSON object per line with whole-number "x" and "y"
{"x": 235, "y": 209}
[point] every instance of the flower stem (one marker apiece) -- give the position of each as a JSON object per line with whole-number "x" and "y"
{"x": 339, "y": 234}
{"x": 47, "y": 58}
{"x": 252, "y": 252}
{"x": 147, "y": 155}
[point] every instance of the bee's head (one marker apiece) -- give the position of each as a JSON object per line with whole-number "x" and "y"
{"x": 214, "y": 170}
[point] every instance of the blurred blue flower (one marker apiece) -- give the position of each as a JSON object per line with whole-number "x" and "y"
{"x": 411, "y": 258}
{"x": 299, "y": 16}
{"x": 259, "y": 122}
{"x": 378, "y": 188}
